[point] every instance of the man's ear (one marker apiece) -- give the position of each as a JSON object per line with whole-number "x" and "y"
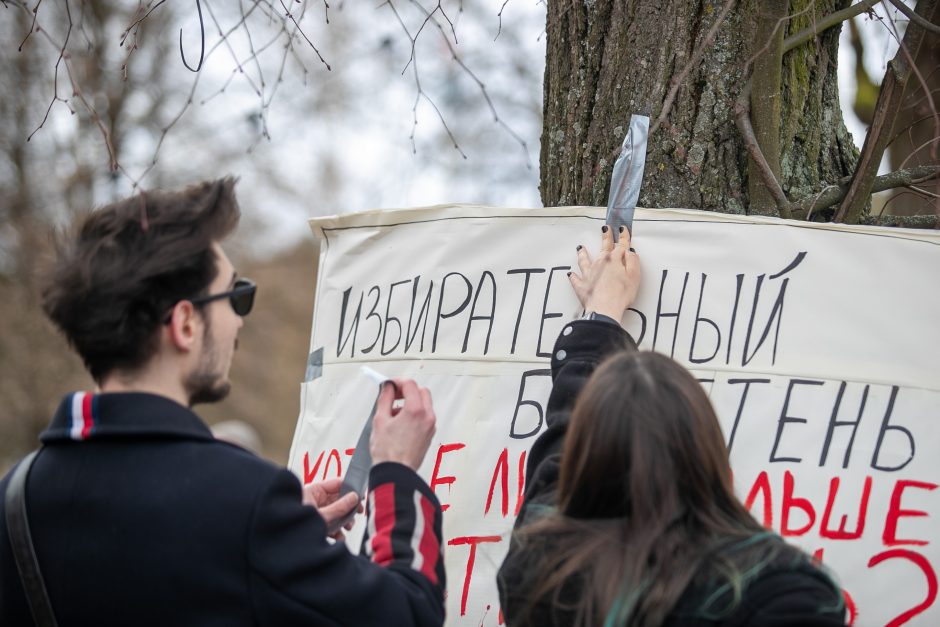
{"x": 185, "y": 327}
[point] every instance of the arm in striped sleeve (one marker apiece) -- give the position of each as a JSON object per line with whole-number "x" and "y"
{"x": 404, "y": 524}
{"x": 297, "y": 577}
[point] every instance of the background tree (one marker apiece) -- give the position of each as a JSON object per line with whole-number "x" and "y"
{"x": 48, "y": 164}
{"x": 743, "y": 100}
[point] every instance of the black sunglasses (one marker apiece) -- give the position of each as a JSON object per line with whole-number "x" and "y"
{"x": 242, "y": 296}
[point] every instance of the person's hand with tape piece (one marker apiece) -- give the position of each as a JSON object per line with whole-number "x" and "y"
{"x": 402, "y": 433}
{"x": 609, "y": 282}
{"x": 334, "y": 508}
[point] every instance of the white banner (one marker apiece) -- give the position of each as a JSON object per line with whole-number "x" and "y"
{"x": 819, "y": 346}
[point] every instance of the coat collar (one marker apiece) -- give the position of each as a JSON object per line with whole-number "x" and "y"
{"x": 83, "y": 416}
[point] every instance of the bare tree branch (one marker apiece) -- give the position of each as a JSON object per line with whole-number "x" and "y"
{"x": 908, "y": 222}
{"x": 420, "y": 92}
{"x": 933, "y": 141}
{"x": 32, "y": 26}
{"x": 429, "y": 19}
{"x": 923, "y": 23}
{"x": 290, "y": 15}
{"x": 804, "y": 208}
{"x": 55, "y": 75}
{"x": 833, "y": 19}
{"x": 105, "y": 131}
{"x": 886, "y": 110}
{"x": 500, "y": 16}
{"x": 139, "y": 20}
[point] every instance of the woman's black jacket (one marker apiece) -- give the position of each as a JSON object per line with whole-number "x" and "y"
{"x": 786, "y": 592}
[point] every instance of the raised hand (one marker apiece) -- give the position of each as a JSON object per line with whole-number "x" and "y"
{"x": 608, "y": 283}
{"x": 402, "y": 434}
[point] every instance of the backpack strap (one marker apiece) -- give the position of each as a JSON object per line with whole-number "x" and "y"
{"x": 22, "y": 543}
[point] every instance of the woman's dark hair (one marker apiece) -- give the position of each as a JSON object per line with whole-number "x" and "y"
{"x": 645, "y": 502}
{"x": 125, "y": 266}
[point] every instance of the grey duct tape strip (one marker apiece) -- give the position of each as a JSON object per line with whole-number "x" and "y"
{"x": 627, "y": 177}
{"x": 314, "y": 365}
{"x": 357, "y": 475}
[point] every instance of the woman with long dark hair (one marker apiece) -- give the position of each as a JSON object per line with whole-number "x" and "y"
{"x": 630, "y": 516}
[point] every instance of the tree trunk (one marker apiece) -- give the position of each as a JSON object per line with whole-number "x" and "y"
{"x": 917, "y": 131}
{"x": 607, "y": 59}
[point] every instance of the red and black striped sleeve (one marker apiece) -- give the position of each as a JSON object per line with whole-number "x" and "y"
{"x": 404, "y": 523}
{"x": 298, "y": 577}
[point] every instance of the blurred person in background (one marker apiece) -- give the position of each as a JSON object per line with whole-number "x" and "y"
{"x": 629, "y": 515}
{"x": 138, "y": 515}
{"x": 238, "y": 432}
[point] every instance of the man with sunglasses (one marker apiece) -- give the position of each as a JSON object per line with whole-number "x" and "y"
{"x": 131, "y": 513}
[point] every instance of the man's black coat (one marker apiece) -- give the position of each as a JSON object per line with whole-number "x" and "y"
{"x": 140, "y": 517}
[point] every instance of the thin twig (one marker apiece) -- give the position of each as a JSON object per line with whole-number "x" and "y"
{"x": 414, "y": 40}
{"x": 923, "y": 191}
{"x": 55, "y": 74}
{"x": 31, "y": 26}
{"x": 909, "y": 12}
{"x": 486, "y": 96}
{"x": 137, "y": 22}
{"x": 909, "y": 129}
{"x": 105, "y": 132}
{"x": 429, "y": 19}
{"x": 290, "y": 15}
{"x": 420, "y": 93}
{"x": 500, "y": 16}
{"x": 933, "y": 140}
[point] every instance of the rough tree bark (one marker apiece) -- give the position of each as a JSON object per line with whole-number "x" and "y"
{"x": 917, "y": 133}
{"x": 607, "y": 59}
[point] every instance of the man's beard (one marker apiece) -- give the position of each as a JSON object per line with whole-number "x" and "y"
{"x": 207, "y": 388}
{"x": 207, "y": 384}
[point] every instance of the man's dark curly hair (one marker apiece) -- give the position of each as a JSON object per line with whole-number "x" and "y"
{"x": 125, "y": 265}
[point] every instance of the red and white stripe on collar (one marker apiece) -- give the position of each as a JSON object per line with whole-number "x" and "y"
{"x": 83, "y": 415}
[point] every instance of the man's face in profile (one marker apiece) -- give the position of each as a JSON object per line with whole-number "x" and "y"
{"x": 209, "y": 382}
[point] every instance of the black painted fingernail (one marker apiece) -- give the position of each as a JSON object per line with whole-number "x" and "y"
{"x": 633, "y": 250}
{"x": 604, "y": 229}
{"x": 579, "y": 247}
{"x": 569, "y": 274}
{"x": 622, "y": 228}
